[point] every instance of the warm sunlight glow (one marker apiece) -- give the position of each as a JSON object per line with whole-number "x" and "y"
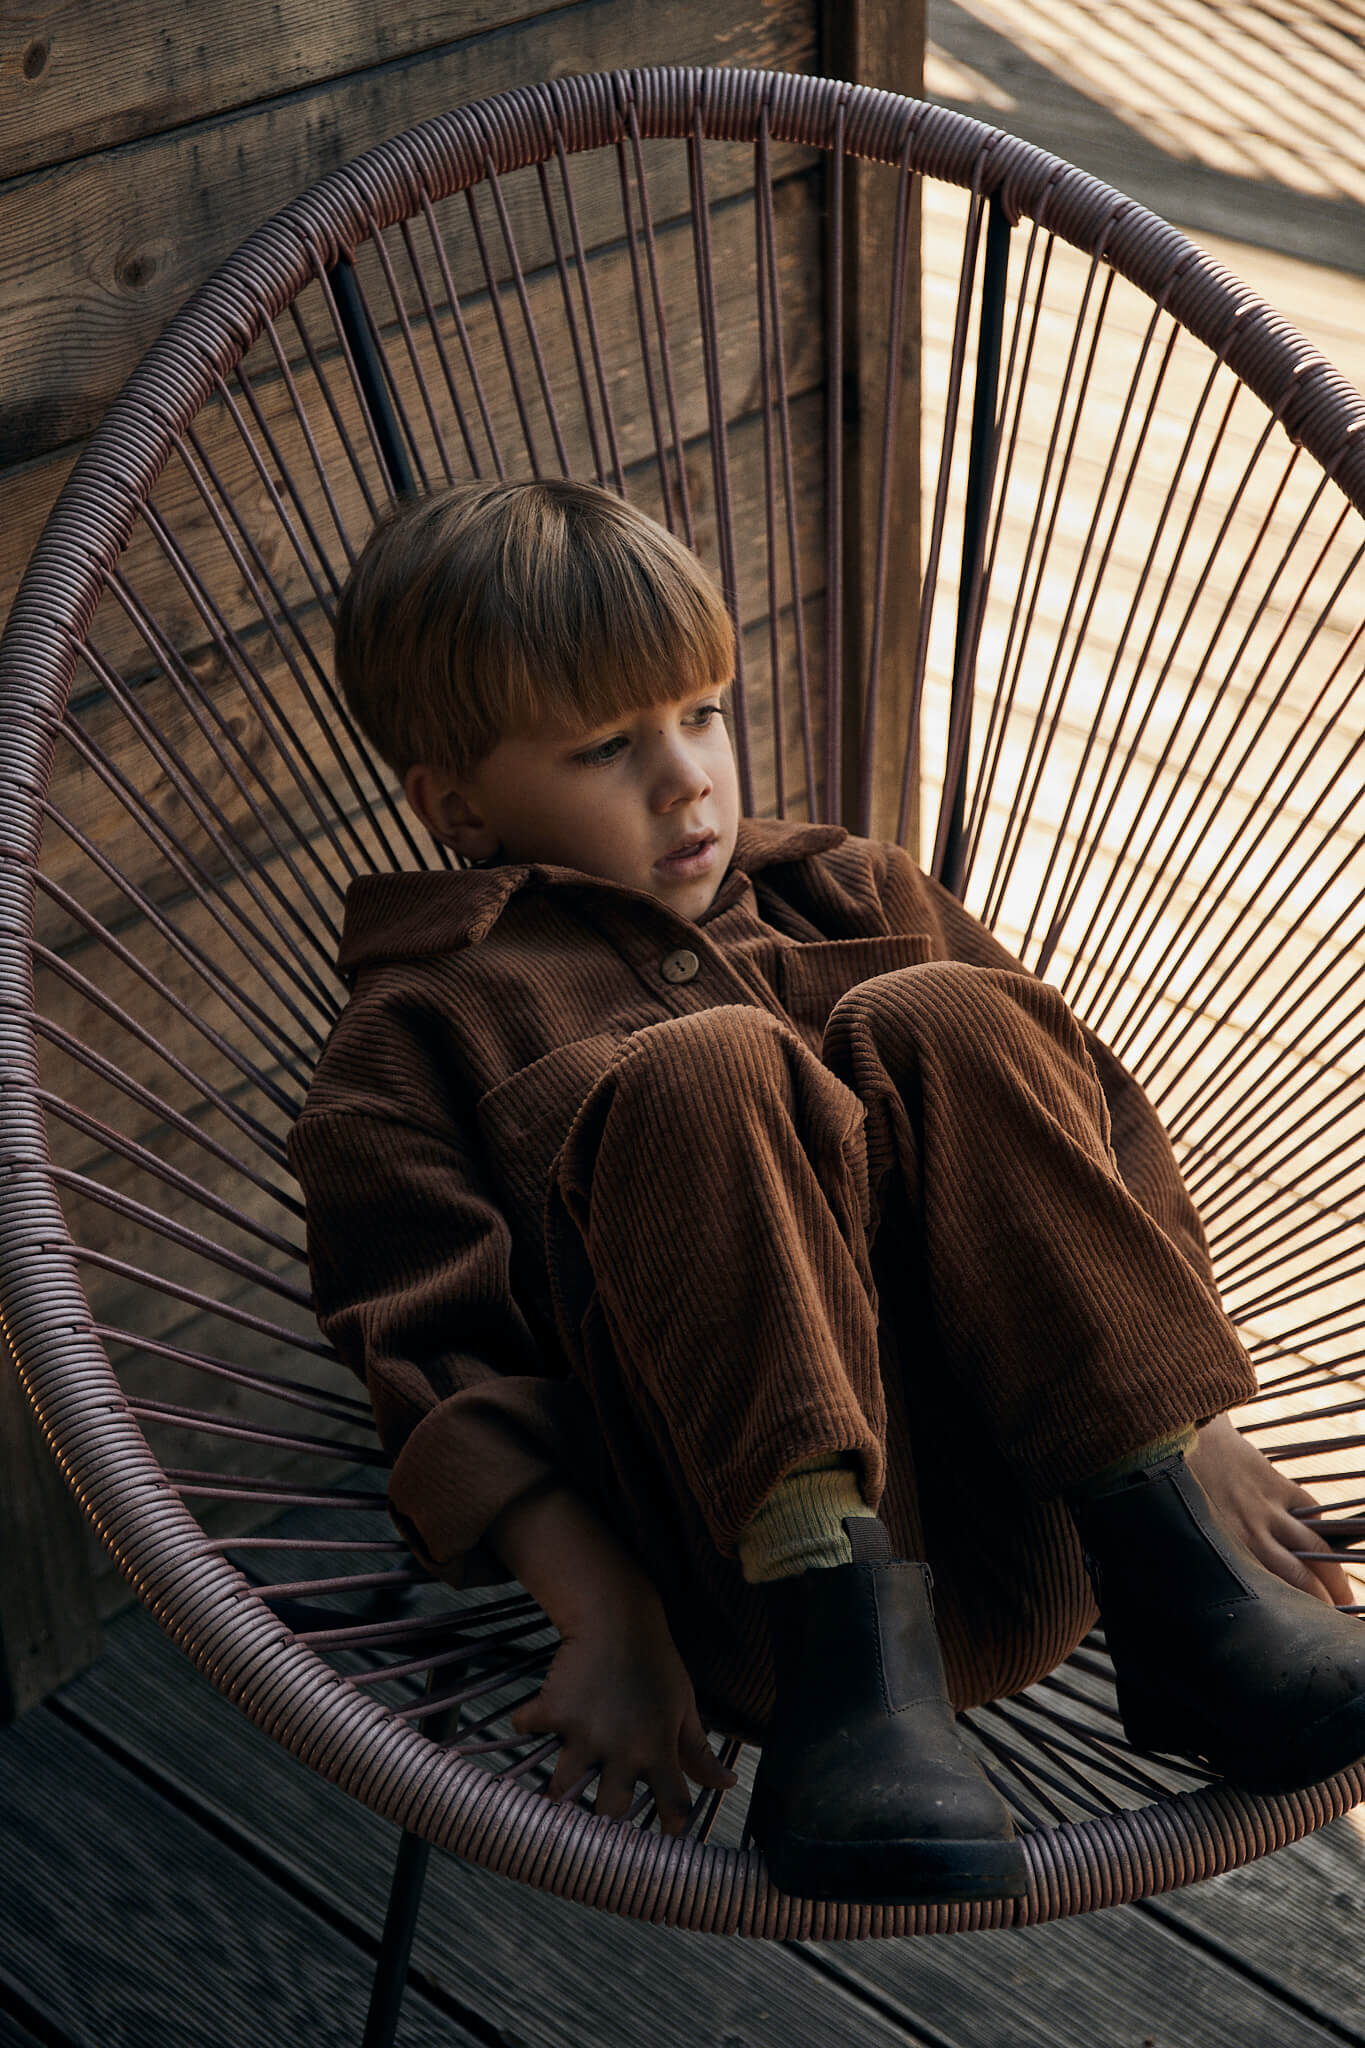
{"x": 1274, "y": 91}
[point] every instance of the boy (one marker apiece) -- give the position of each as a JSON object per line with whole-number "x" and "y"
{"x": 727, "y": 1228}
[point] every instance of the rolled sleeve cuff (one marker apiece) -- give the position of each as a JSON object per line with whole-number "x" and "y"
{"x": 476, "y": 1453}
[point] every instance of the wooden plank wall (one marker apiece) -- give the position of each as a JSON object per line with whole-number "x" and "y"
{"x": 122, "y": 185}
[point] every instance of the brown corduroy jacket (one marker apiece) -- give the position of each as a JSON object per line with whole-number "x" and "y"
{"x": 485, "y": 1005}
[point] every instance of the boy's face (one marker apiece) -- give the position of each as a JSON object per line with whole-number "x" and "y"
{"x": 651, "y": 800}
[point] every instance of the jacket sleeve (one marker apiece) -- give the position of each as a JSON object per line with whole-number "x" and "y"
{"x": 1142, "y": 1150}
{"x": 409, "y": 1258}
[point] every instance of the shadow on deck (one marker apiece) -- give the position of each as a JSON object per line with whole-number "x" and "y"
{"x": 171, "y": 1879}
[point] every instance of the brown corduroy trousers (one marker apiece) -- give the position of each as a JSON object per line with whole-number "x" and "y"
{"x": 914, "y": 1248}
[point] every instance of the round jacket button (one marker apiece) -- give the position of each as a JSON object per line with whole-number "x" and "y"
{"x": 682, "y": 966}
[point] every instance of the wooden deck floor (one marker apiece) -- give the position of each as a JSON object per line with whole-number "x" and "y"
{"x": 172, "y": 1880}
{"x": 1239, "y": 120}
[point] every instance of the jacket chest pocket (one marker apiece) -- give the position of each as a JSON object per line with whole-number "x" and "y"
{"x": 814, "y": 975}
{"x": 526, "y": 1118}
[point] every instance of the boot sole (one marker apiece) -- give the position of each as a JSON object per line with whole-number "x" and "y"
{"x": 894, "y": 1873}
{"x": 929, "y": 1873}
{"x": 1330, "y": 1745}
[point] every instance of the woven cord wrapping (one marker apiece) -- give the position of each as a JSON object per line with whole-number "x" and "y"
{"x": 205, "y": 1602}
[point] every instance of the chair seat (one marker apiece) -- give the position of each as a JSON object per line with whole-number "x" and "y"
{"x": 1117, "y": 711}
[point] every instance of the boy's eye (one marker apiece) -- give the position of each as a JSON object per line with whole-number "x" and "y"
{"x": 605, "y": 750}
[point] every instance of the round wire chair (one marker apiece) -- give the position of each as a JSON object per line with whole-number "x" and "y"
{"x": 1122, "y": 722}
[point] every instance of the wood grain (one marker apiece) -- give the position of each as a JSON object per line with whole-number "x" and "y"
{"x": 880, "y": 45}
{"x": 539, "y": 1971}
{"x": 150, "y": 1931}
{"x": 1146, "y": 126}
{"x": 1109, "y": 1977}
{"x": 99, "y": 253}
{"x": 60, "y": 97}
{"x": 179, "y": 505}
{"x": 48, "y": 1627}
{"x": 1113, "y": 1976}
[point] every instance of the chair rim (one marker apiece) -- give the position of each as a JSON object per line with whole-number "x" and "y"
{"x": 203, "y": 1601}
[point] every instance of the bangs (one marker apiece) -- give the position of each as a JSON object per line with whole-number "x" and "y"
{"x": 589, "y": 610}
{"x": 606, "y": 667}
{"x": 491, "y": 610}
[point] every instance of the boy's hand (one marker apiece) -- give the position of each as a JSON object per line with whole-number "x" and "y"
{"x": 617, "y": 1693}
{"x": 621, "y": 1702}
{"x": 1256, "y": 1500}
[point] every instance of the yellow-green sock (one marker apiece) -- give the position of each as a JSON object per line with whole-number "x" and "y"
{"x": 800, "y": 1526}
{"x": 1137, "y": 1461}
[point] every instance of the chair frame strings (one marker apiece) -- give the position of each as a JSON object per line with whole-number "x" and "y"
{"x": 425, "y": 288}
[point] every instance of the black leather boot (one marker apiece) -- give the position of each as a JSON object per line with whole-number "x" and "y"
{"x": 864, "y": 1790}
{"x": 1217, "y": 1658}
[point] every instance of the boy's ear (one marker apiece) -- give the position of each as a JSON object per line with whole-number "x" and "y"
{"x": 446, "y": 811}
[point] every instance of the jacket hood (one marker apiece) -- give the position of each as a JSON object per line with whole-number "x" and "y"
{"x": 418, "y": 915}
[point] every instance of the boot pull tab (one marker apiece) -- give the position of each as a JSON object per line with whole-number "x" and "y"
{"x": 868, "y": 1539}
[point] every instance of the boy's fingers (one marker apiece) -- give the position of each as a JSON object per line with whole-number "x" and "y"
{"x": 1326, "y": 1581}
{"x": 532, "y": 1719}
{"x": 1305, "y": 1578}
{"x": 1327, "y": 1575}
{"x": 1333, "y": 1580}
{"x": 615, "y": 1791}
{"x": 701, "y": 1763}
{"x": 672, "y": 1798}
{"x": 571, "y": 1769}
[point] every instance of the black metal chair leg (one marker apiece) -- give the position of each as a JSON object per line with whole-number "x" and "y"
{"x": 395, "y": 1947}
{"x": 400, "y": 1921}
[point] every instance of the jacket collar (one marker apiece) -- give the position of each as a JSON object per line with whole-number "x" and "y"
{"x": 410, "y": 916}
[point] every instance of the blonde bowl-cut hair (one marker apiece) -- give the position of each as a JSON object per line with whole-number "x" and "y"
{"x": 489, "y": 611}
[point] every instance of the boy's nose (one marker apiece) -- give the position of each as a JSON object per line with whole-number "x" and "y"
{"x": 680, "y": 780}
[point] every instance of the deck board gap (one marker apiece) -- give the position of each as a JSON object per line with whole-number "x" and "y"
{"x": 22, "y": 2023}
{"x": 240, "y": 1842}
{"x": 889, "y": 2009}
{"x": 1233, "y": 1959}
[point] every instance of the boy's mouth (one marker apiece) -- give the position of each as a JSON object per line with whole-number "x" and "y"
{"x": 693, "y": 855}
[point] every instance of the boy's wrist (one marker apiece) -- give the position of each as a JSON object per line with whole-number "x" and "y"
{"x": 573, "y": 1564}
{"x": 603, "y": 1611}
